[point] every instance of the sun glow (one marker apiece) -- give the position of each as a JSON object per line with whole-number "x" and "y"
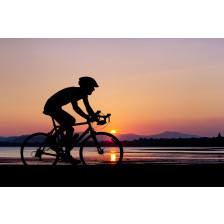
{"x": 112, "y": 157}
{"x": 113, "y": 132}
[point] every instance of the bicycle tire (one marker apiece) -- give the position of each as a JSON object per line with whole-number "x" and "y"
{"x": 112, "y": 150}
{"x": 31, "y": 144}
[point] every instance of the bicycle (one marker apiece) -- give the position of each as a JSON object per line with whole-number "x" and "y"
{"x": 97, "y": 148}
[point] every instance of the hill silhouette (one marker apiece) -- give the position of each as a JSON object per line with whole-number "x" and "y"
{"x": 166, "y": 134}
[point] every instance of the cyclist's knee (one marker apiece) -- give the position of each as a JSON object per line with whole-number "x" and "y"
{"x": 69, "y": 130}
{"x": 73, "y": 121}
{"x": 70, "y": 122}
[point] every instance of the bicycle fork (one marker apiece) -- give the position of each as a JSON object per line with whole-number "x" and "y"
{"x": 100, "y": 150}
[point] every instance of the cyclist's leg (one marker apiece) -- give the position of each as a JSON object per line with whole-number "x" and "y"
{"x": 66, "y": 121}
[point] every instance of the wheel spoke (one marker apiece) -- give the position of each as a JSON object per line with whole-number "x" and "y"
{"x": 35, "y": 151}
{"x": 112, "y": 151}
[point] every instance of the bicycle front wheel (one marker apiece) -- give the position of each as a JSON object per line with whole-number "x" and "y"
{"x": 101, "y": 149}
{"x": 36, "y": 151}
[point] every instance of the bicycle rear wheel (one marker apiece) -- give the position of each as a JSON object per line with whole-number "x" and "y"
{"x": 104, "y": 149}
{"x": 36, "y": 151}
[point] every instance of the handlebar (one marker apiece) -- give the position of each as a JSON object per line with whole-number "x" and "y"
{"x": 102, "y": 116}
{"x": 99, "y": 122}
{"x": 102, "y": 122}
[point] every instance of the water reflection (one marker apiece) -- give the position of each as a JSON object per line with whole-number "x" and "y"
{"x": 165, "y": 155}
{"x": 112, "y": 157}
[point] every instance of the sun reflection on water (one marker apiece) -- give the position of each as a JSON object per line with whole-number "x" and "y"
{"x": 112, "y": 157}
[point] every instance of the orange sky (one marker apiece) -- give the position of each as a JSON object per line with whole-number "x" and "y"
{"x": 148, "y": 85}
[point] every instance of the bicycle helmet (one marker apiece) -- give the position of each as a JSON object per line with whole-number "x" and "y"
{"x": 87, "y": 82}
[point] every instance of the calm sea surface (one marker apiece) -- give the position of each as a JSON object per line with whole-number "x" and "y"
{"x": 173, "y": 155}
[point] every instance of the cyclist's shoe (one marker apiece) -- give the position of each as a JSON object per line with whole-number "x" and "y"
{"x": 67, "y": 158}
{"x": 38, "y": 154}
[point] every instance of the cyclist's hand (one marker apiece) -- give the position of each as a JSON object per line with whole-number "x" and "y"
{"x": 92, "y": 118}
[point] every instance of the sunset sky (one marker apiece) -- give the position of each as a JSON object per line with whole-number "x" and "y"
{"x": 148, "y": 85}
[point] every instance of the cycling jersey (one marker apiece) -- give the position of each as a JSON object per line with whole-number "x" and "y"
{"x": 65, "y": 96}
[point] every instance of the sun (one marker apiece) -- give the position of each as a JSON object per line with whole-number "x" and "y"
{"x": 113, "y": 132}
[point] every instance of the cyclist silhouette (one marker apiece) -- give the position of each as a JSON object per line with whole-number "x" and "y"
{"x": 53, "y": 108}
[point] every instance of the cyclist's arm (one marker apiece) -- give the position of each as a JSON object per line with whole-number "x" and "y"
{"x": 78, "y": 110}
{"x": 88, "y": 107}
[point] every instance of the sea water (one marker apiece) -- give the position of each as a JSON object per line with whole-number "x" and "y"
{"x": 173, "y": 155}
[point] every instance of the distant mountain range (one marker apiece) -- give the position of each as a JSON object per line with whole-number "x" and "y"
{"x": 17, "y": 139}
{"x": 121, "y": 137}
{"x": 166, "y": 134}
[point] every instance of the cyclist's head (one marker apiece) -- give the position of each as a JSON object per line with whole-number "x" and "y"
{"x": 87, "y": 84}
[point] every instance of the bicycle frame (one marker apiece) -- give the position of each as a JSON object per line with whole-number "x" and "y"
{"x": 57, "y": 129}
{"x": 55, "y": 144}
